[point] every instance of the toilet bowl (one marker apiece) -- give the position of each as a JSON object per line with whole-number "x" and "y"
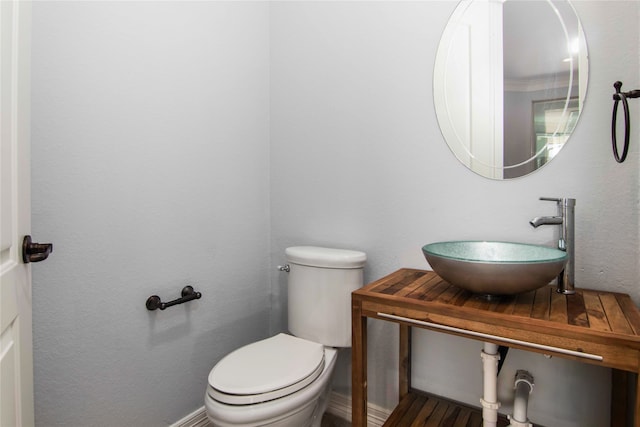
{"x": 285, "y": 380}
{"x": 296, "y": 399}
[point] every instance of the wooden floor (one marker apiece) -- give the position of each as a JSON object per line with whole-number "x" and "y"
{"x": 328, "y": 420}
{"x": 423, "y": 409}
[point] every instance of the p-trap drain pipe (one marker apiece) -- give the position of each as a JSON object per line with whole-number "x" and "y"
{"x": 524, "y": 387}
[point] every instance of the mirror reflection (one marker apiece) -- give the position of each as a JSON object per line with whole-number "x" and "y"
{"x": 509, "y": 82}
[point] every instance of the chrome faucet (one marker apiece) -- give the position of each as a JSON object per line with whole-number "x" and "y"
{"x": 566, "y": 241}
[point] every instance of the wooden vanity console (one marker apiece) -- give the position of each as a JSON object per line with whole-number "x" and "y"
{"x": 596, "y": 327}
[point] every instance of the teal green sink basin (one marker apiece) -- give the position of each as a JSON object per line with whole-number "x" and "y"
{"x": 495, "y": 268}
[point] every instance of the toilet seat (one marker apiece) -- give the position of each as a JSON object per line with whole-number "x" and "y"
{"x": 266, "y": 370}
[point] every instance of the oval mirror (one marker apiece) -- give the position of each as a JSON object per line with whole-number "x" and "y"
{"x": 509, "y": 82}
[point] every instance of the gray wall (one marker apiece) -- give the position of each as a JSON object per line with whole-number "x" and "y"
{"x": 179, "y": 143}
{"x": 150, "y": 172}
{"x": 358, "y": 161}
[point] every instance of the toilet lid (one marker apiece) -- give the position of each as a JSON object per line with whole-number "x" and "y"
{"x": 266, "y": 370}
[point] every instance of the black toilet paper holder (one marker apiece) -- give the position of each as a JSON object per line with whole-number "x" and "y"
{"x": 188, "y": 294}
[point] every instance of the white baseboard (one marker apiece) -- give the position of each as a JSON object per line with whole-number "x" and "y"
{"x": 339, "y": 405}
{"x": 197, "y": 418}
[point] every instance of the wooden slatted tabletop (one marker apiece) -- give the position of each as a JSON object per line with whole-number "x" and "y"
{"x": 596, "y": 327}
{"x": 604, "y": 324}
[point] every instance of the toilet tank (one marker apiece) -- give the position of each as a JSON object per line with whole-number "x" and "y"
{"x": 320, "y": 284}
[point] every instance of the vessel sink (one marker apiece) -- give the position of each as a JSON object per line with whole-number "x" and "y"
{"x": 495, "y": 268}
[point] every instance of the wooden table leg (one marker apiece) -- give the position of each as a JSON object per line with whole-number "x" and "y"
{"x": 619, "y": 398}
{"x": 636, "y": 407}
{"x": 404, "y": 359}
{"x": 359, "y": 366}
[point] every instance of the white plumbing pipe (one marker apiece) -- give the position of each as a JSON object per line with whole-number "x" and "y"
{"x": 524, "y": 387}
{"x": 489, "y": 399}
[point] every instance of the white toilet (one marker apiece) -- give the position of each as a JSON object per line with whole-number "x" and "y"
{"x": 285, "y": 380}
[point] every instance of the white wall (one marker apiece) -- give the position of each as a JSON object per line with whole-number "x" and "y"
{"x": 152, "y": 169}
{"x": 357, "y": 161}
{"x": 150, "y": 172}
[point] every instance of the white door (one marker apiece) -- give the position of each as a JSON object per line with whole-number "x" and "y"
{"x": 16, "y": 355}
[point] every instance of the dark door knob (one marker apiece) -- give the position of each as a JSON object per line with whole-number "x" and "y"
{"x": 35, "y": 252}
